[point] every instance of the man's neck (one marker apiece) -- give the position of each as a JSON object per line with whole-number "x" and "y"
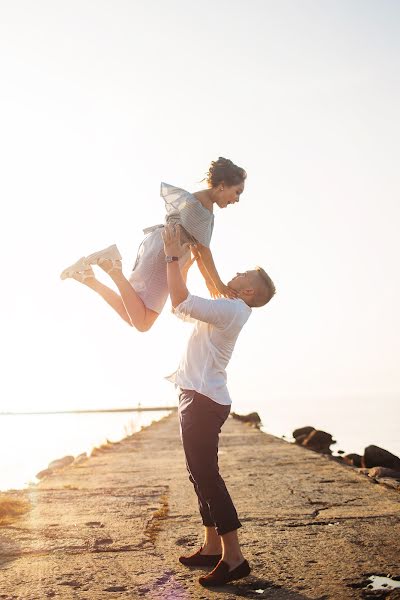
{"x": 245, "y": 299}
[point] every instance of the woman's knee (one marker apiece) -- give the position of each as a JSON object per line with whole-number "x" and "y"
{"x": 145, "y": 323}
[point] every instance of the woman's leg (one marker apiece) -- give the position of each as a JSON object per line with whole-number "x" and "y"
{"x": 106, "y": 293}
{"x": 128, "y": 305}
{"x": 137, "y": 312}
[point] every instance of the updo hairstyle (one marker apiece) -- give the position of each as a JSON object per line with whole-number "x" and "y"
{"x": 225, "y": 171}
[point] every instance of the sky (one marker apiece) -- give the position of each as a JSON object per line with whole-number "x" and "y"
{"x": 101, "y": 101}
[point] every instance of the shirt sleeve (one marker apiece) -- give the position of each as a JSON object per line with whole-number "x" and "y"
{"x": 220, "y": 312}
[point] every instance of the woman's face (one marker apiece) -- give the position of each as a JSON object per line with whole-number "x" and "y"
{"x": 228, "y": 194}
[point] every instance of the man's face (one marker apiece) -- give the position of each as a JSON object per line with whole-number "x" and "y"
{"x": 243, "y": 281}
{"x": 229, "y": 194}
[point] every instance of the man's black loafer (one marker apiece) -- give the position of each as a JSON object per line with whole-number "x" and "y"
{"x": 200, "y": 560}
{"x": 222, "y": 575}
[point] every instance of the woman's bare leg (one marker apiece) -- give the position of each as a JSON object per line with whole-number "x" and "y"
{"x": 129, "y": 306}
{"x": 139, "y": 315}
{"x": 107, "y": 294}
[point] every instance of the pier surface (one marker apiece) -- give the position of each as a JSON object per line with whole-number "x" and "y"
{"x": 113, "y": 525}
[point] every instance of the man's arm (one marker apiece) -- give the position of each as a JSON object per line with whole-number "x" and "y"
{"x": 173, "y": 247}
{"x": 215, "y": 312}
{"x": 177, "y": 287}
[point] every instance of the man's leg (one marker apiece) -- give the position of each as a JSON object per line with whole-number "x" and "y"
{"x": 231, "y": 567}
{"x": 227, "y": 545}
{"x": 231, "y": 552}
{"x": 201, "y": 420}
{"x": 212, "y": 542}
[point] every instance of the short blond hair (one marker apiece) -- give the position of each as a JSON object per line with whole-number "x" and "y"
{"x": 265, "y": 291}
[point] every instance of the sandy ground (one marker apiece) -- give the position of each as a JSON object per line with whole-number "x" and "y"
{"x": 113, "y": 526}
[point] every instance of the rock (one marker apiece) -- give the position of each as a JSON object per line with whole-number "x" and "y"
{"x": 57, "y": 464}
{"x": 61, "y": 462}
{"x": 319, "y": 441}
{"x": 384, "y": 476}
{"x": 80, "y": 458}
{"x": 383, "y": 472}
{"x": 252, "y": 418}
{"x": 301, "y": 433}
{"x": 378, "y": 457}
{"x": 44, "y": 473}
{"x": 353, "y": 459}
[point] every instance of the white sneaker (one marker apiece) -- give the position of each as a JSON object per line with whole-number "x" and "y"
{"x": 82, "y": 276}
{"x": 78, "y": 267}
{"x": 110, "y": 253}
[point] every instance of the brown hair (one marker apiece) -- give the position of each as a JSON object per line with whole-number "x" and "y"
{"x": 225, "y": 171}
{"x": 266, "y": 291}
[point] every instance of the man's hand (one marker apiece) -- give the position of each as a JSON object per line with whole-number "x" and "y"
{"x": 171, "y": 235}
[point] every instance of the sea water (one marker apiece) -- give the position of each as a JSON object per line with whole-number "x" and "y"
{"x": 28, "y": 443}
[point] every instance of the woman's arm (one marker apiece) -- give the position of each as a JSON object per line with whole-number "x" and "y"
{"x": 214, "y": 293}
{"x": 209, "y": 271}
{"x": 186, "y": 267}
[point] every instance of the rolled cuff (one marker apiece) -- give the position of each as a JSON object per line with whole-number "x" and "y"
{"x": 183, "y": 310}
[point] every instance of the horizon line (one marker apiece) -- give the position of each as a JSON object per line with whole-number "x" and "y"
{"x": 91, "y": 410}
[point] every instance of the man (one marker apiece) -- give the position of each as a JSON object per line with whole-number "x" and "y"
{"x": 204, "y": 404}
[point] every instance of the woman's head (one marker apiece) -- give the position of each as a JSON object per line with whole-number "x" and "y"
{"x": 226, "y": 181}
{"x": 225, "y": 171}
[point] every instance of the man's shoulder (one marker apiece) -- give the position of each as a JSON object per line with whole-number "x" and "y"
{"x": 235, "y": 303}
{"x": 235, "y": 307}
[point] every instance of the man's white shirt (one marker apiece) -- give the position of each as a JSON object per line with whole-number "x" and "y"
{"x": 217, "y": 324}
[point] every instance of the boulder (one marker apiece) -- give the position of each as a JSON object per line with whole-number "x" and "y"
{"x": 61, "y": 462}
{"x": 80, "y": 458}
{"x": 319, "y": 441}
{"x": 301, "y": 433}
{"x": 252, "y": 418}
{"x": 378, "y": 457}
{"x": 383, "y": 472}
{"x": 44, "y": 473}
{"x": 353, "y": 459}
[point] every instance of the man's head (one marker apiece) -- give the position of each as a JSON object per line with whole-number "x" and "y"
{"x": 254, "y": 287}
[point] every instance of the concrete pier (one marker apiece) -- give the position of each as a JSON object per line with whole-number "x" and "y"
{"x": 113, "y": 525}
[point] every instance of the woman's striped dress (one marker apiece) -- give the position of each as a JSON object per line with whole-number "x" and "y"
{"x": 149, "y": 274}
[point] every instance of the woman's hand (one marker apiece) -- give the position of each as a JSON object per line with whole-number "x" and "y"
{"x": 214, "y": 293}
{"x": 225, "y": 291}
